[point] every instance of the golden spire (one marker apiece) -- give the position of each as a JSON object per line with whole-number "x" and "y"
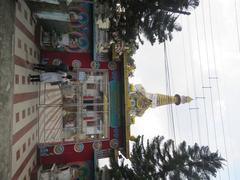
{"x": 140, "y": 100}
{"x": 186, "y": 99}
{"x": 165, "y": 99}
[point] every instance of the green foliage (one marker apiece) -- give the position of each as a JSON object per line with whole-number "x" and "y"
{"x": 161, "y": 159}
{"x": 155, "y": 19}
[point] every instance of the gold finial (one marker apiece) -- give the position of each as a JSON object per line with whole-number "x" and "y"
{"x": 186, "y": 99}
{"x": 131, "y": 87}
{"x": 132, "y": 120}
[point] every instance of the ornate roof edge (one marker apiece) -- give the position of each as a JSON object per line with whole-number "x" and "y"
{"x": 126, "y": 107}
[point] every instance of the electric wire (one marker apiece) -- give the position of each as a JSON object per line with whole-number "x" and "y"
{"x": 169, "y": 93}
{"x": 193, "y": 82}
{"x": 237, "y": 25}
{"x": 201, "y": 75}
{"x": 209, "y": 81}
{"x": 208, "y": 69}
{"x": 169, "y": 90}
{"x": 187, "y": 85}
{"x": 176, "y": 118}
{"x": 218, "y": 89}
{"x": 170, "y": 111}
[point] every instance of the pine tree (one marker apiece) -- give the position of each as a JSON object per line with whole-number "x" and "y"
{"x": 155, "y": 19}
{"x": 161, "y": 159}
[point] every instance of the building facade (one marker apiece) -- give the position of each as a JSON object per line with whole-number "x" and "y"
{"x": 59, "y": 131}
{"x": 25, "y": 101}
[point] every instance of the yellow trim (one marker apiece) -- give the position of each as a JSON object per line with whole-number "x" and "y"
{"x": 114, "y": 54}
{"x": 116, "y": 154}
{"x": 126, "y": 98}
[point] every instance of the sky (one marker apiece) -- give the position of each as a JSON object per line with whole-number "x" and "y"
{"x": 206, "y": 53}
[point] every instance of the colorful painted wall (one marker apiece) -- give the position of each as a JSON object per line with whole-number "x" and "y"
{"x": 82, "y": 151}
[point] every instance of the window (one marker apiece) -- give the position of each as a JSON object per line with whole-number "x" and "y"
{"x": 30, "y": 51}
{"x": 91, "y": 86}
{"x": 29, "y": 171}
{"x": 33, "y": 109}
{"x": 31, "y": 21}
{"x": 29, "y": 141}
{"x": 86, "y": 106}
{"x": 29, "y": 111}
{"x": 19, "y": 43}
{"x": 25, "y": 47}
{"x": 23, "y": 79}
{"x": 17, "y": 154}
{"x": 17, "y": 116}
{"x": 28, "y": 80}
{"x": 24, "y": 147}
{"x": 25, "y": 14}
{"x": 91, "y": 123}
{"x": 16, "y": 79}
{"x": 33, "y": 137}
{"x": 23, "y": 114}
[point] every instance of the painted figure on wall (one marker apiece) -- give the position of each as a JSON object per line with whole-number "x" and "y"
{"x": 73, "y": 42}
{"x": 72, "y": 31}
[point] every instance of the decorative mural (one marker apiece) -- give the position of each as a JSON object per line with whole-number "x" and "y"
{"x": 91, "y": 115}
{"x": 79, "y": 147}
{"x": 58, "y": 149}
{"x": 72, "y": 32}
{"x": 43, "y": 150}
{"x": 97, "y": 145}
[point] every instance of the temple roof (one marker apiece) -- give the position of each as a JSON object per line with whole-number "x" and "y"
{"x": 142, "y": 103}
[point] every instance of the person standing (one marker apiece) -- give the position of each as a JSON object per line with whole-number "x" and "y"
{"x": 51, "y": 68}
{"x": 50, "y": 77}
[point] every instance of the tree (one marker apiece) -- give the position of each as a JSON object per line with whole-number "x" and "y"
{"x": 155, "y": 19}
{"x": 161, "y": 159}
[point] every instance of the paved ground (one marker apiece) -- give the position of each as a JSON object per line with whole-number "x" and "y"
{"x": 7, "y": 16}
